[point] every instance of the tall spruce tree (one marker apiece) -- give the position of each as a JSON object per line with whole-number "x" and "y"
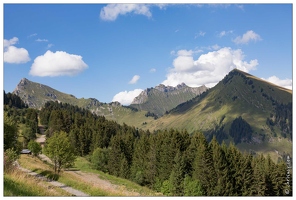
{"x": 177, "y": 175}
{"x": 224, "y": 185}
{"x": 203, "y": 167}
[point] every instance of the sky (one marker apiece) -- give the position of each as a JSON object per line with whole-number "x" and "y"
{"x": 112, "y": 52}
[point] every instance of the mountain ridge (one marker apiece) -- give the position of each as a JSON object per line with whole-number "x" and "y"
{"x": 161, "y": 98}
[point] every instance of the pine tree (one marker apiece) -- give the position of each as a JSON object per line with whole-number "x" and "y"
{"x": 124, "y": 170}
{"x": 115, "y": 156}
{"x": 247, "y": 171}
{"x": 152, "y": 167}
{"x": 140, "y": 160}
{"x": 259, "y": 175}
{"x": 223, "y": 187}
{"x": 177, "y": 175}
{"x": 203, "y": 167}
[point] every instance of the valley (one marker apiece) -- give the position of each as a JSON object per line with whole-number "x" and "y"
{"x": 241, "y": 118}
{"x": 211, "y": 111}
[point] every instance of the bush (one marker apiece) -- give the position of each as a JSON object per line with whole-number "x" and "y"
{"x": 192, "y": 187}
{"x": 10, "y": 156}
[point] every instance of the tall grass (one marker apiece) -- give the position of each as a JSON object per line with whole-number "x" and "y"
{"x": 18, "y": 183}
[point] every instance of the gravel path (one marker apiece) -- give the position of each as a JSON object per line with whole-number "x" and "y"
{"x": 68, "y": 189}
{"x": 105, "y": 185}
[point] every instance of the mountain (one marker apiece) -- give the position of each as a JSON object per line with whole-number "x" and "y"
{"x": 160, "y": 99}
{"x": 35, "y": 95}
{"x": 244, "y": 109}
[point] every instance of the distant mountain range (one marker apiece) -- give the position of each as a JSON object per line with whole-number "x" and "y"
{"x": 241, "y": 108}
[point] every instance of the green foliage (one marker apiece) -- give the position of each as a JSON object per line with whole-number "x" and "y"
{"x": 177, "y": 175}
{"x": 167, "y": 188}
{"x": 192, "y": 187}
{"x": 12, "y": 100}
{"x": 58, "y": 148}
{"x": 35, "y": 147}
{"x": 10, "y": 133}
{"x": 10, "y": 156}
{"x": 99, "y": 159}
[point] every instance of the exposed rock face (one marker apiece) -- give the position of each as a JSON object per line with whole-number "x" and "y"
{"x": 169, "y": 90}
{"x": 163, "y": 98}
{"x": 142, "y": 98}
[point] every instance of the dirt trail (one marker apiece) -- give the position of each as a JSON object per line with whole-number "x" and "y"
{"x": 68, "y": 189}
{"x": 105, "y": 185}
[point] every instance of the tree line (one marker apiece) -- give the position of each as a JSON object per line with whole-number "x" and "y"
{"x": 173, "y": 162}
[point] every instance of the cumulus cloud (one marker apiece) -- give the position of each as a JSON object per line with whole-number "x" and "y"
{"x": 286, "y": 83}
{"x": 126, "y": 97}
{"x": 7, "y": 43}
{"x": 247, "y": 37}
{"x": 59, "y": 63}
{"x": 208, "y": 69}
{"x": 13, "y": 54}
{"x": 134, "y": 79}
{"x": 112, "y": 11}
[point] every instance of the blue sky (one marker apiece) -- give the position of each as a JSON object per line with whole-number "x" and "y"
{"x": 112, "y": 52}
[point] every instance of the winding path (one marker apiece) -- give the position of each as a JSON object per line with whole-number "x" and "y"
{"x": 68, "y": 189}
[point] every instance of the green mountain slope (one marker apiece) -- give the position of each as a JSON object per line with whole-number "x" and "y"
{"x": 267, "y": 108}
{"x": 162, "y": 98}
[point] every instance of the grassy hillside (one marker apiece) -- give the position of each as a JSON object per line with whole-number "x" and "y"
{"x": 18, "y": 183}
{"x": 238, "y": 94}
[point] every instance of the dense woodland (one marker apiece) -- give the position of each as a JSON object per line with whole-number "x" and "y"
{"x": 173, "y": 162}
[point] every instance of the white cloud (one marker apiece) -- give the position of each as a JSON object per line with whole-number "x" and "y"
{"x": 224, "y": 33}
{"x": 126, "y": 97}
{"x": 112, "y": 11}
{"x": 13, "y": 54}
{"x": 215, "y": 47}
{"x": 247, "y": 37}
{"x": 32, "y": 35}
{"x": 286, "y": 83}
{"x": 200, "y": 33}
{"x": 7, "y": 43}
{"x": 208, "y": 69}
{"x": 41, "y": 40}
{"x": 134, "y": 79}
{"x": 59, "y": 63}
{"x": 49, "y": 45}
{"x": 152, "y": 70}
